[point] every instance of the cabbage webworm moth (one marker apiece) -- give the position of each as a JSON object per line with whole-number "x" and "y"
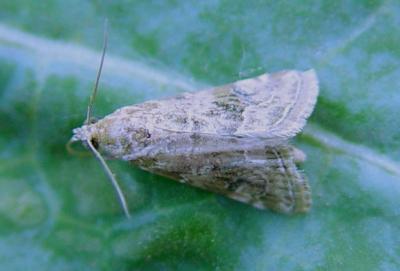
{"x": 231, "y": 139}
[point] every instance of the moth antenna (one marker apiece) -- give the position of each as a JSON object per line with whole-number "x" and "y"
{"x": 111, "y": 177}
{"x": 94, "y": 93}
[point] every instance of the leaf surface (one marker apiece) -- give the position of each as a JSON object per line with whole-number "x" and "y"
{"x": 58, "y": 212}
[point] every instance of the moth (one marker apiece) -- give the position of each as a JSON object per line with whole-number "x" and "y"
{"x": 232, "y": 139}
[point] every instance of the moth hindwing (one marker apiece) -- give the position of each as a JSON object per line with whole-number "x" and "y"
{"x": 231, "y": 139}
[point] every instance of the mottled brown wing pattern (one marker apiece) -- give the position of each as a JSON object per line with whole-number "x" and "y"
{"x": 264, "y": 178}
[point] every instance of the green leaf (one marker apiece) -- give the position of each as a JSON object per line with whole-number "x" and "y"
{"x": 58, "y": 211}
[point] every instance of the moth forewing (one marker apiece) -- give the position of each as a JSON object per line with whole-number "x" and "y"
{"x": 231, "y": 139}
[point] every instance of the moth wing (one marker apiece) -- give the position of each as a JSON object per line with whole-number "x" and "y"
{"x": 269, "y": 181}
{"x": 280, "y": 103}
{"x": 270, "y": 106}
{"x": 267, "y": 106}
{"x": 265, "y": 178}
{"x": 272, "y": 182}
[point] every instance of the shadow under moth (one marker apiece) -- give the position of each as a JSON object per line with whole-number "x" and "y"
{"x": 231, "y": 139}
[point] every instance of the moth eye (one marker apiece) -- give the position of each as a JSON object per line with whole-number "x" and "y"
{"x": 95, "y": 143}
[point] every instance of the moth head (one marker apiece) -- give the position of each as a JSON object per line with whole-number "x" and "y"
{"x": 88, "y": 133}
{"x": 117, "y": 139}
{"x": 82, "y": 133}
{"x": 85, "y": 133}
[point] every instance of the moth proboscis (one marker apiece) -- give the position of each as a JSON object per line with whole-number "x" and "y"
{"x": 232, "y": 139}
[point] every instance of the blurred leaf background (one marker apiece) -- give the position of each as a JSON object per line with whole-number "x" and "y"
{"x": 58, "y": 212}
